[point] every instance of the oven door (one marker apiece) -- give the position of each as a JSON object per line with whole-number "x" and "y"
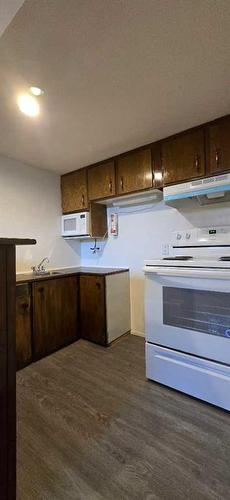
{"x": 189, "y": 310}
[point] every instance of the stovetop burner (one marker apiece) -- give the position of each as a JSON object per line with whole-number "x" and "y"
{"x": 225, "y": 258}
{"x": 180, "y": 257}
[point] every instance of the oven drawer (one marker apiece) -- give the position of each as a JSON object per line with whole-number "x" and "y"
{"x": 197, "y": 377}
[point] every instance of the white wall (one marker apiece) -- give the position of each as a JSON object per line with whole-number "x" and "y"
{"x": 30, "y": 206}
{"x": 141, "y": 235}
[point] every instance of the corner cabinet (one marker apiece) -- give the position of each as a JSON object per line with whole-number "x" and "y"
{"x": 101, "y": 181}
{"x": 55, "y": 314}
{"x": 74, "y": 191}
{"x": 218, "y": 146}
{"x": 183, "y": 157}
{"x": 134, "y": 172}
{"x": 104, "y": 307}
{"x": 23, "y": 326}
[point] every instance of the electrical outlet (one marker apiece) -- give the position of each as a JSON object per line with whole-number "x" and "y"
{"x": 165, "y": 249}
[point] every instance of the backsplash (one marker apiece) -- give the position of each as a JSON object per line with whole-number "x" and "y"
{"x": 141, "y": 234}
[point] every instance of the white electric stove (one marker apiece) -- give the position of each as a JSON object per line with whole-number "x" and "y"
{"x": 187, "y": 315}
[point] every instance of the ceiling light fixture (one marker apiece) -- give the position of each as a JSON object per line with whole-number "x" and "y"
{"x": 36, "y": 91}
{"x": 28, "y": 105}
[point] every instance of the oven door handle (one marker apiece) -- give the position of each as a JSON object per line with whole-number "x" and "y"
{"x": 189, "y": 273}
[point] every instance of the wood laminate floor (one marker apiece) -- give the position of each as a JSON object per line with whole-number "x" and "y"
{"x": 91, "y": 427}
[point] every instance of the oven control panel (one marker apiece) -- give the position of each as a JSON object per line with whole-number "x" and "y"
{"x": 204, "y": 236}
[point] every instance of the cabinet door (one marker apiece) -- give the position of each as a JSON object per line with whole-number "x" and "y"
{"x": 74, "y": 191}
{"x": 183, "y": 157}
{"x": 23, "y": 326}
{"x": 134, "y": 172}
{"x": 218, "y": 146}
{"x": 101, "y": 181}
{"x": 55, "y": 314}
{"x": 92, "y": 308}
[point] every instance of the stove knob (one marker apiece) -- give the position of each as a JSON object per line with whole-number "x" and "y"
{"x": 178, "y": 236}
{"x": 188, "y": 236}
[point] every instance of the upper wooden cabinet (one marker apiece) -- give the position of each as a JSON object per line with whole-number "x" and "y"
{"x": 218, "y": 146}
{"x": 183, "y": 157}
{"x": 101, "y": 181}
{"x": 74, "y": 191}
{"x": 134, "y": 172}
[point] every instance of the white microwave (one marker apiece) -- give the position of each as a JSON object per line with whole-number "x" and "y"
{"x": 76, "y": 225}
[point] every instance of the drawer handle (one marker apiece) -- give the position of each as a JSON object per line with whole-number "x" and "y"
{"x": 122, "y": 183}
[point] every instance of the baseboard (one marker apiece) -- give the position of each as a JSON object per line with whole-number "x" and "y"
{"x": 137, "y": 333}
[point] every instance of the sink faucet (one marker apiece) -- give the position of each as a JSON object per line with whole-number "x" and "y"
{"x": 40, "y": 268}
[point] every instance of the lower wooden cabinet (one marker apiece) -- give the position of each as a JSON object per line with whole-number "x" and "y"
{"x": 55, "y": 314}
{"x": 104, "y": 307}
{"x": 23, "y": 326}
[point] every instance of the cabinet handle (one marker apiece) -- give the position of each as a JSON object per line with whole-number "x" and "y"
{"x": 197, "y": 163}
{"x": 98, "y": 285}
{"x": 110, "y": 186}
{"x": 153, "y": 178}
{"x": 217, "y": 157}
{"x": 122, "y": 183}
{"x": 25, "y": 306}
{"x": 83, "y": 200}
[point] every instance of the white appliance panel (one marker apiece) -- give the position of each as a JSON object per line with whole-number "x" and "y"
{"x": 197, "y": 377}
{"x": 160, "y": 330}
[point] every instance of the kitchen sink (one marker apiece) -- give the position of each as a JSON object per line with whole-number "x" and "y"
{"x": 47, "y": 273}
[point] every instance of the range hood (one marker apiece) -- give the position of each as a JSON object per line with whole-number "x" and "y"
{"x": 134, "y": 199}
{"x": 206, "y": 191}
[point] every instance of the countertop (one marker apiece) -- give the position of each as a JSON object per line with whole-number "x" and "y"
{"x": 71, "y": 271}
{"x": 17, "y": 241}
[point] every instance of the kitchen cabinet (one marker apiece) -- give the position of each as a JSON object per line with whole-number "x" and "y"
{"x": 183, "y": 157}
{"x": 218, "y": 146}
{"x": 104, "y": 307}
{"x": 74, "y": 191}
{"x": 23, "y": 326}
{"x": 101, "y": 181}
{"x": 134, "y": 172}
{"x": 55, "y": 314}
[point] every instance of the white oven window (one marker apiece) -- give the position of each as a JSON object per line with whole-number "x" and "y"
{"x": 198, "y": 310}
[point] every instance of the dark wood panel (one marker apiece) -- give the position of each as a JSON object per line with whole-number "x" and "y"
{"x": 92, "y": 308}
{"x": 55, "y": 314}
{"x": 98, "y": 220}
{"x": 90, "y": 426}
{"x": 134, "y": 172}
{"x": 23, "y": 325}
{"x": 74, "y": 191}
{"x": 183, "y": 157}
{"x": 101, "y": 181}
{"x": 3, "y": 376}
{"x": 218, "y": 146}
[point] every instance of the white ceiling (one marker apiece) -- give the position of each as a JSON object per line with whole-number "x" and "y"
{"x": 8, "y": 9}
{"x": 116, "y": 74}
